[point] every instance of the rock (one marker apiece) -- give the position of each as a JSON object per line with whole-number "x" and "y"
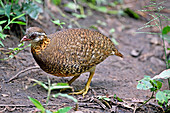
{"x": 155, "y": 41}
{"x": 156, "y": 61}
{"x": 135, "y": 52}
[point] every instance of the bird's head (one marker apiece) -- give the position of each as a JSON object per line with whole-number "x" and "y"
{"x": 34, "y": 35}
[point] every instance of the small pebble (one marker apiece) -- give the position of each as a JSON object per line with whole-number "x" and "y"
{"x": 135, "y": 52}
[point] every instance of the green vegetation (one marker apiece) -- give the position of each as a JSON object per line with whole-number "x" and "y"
{"x": 154, "y": 84}
{"x": 13, "y": 13}
{"x": 50, "y": 87}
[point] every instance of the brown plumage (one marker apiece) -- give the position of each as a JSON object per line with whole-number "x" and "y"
{"x": 70, "y": 52}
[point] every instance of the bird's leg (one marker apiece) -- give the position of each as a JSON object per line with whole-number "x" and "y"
{"x": 73, "y": 79}
{"x": 70, "y": 82}
{"x": 85, "y": 90}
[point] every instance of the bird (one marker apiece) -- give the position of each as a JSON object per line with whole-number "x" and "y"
{"x": 70, "y": 52}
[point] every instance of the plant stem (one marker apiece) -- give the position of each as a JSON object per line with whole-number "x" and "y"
{"x": 147, "y": 100}
{"x": 49, "y": 91}
{"x": 162, "y": 36}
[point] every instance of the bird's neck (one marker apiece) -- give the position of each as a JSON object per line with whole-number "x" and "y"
{"x": 37, "y": 47}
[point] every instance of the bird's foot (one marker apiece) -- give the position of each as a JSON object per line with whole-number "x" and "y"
{"x": 83, "y": 92}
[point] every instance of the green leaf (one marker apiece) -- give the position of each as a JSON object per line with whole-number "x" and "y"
{"x": 63, "y": 110}
{"x": 37, "y": 104}
{"x": 39, "y": 1}
{"x": 19, "y": 13}
{"x": 60, "y": 86}
{"x": 163, "y": 75}
{"x": 116, "y": 97}
{"x": 72, "y": 6}
{"x": 160, "y": 96}
{"x": 157, "y": 85}
{"x": 114, "y": 41}
{"x": 18, "y": 16}
{"x": 2, "y": 36}
{"x": 19, "y": 22}
{"x": 56, "y": 2}
{"x": 111, "y": 30}
{"x": 131, "y": 13}
{"x": 7, "y": 9}
{"x": 65, "y": 95}
{"x": 166, "y": 30}
{"x": 3, "y": 21}
{"x": 167, "y": 93}
{"x": 145, "y": 83}
{"x": 1, "y": 43}
{"x": 32, "y": 9}
{"x": 21, "y": 44}
{"x": 2, "y": 11}
{"x": 40, "y": 83}
{"x": 79, "y": 15}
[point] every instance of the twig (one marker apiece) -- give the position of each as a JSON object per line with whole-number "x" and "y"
{"x": 100, "y": 103}
{"x": 22, "y": 71}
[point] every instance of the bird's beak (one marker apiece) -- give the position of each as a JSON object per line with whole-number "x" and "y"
{"x": 24, "y": 39}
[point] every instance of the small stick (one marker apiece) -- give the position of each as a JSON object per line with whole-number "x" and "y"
{"x": 22, "y": 71}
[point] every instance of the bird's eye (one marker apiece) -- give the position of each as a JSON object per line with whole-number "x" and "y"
{"x": 33, "y": 36}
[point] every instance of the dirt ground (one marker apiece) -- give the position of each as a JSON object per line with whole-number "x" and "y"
{"x": 113, "y": 76}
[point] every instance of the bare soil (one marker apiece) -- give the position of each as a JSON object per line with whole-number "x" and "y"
{"x": 112, "y": 76}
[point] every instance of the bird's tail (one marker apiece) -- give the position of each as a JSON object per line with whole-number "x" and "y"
{"x": 117, "y": 53}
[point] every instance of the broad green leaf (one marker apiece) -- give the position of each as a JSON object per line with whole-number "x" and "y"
{"x": 19, "y": 22}
{"x": 2, "y": 11}
{"x": 37, "y": 104}
{"x": 72, "y": 6}
{"x": 7, "y": 9}
{"x": 3, "y": 21}
{"x": 65, "y": 95}
{"x": 157, "y": 85}
{"x": 32, "y": 9}
{"x": 163, "y": 75}
{"x": 166, "y": 30}
{"x": 167, "y": 93}
{"x": 63, "y": 110}
{"x": 160, "y": 96}
{"x": 19, "y": 13}
{"x": 145, "y": 83}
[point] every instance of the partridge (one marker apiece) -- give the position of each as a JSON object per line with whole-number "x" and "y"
{"x": 70, "y": 52}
